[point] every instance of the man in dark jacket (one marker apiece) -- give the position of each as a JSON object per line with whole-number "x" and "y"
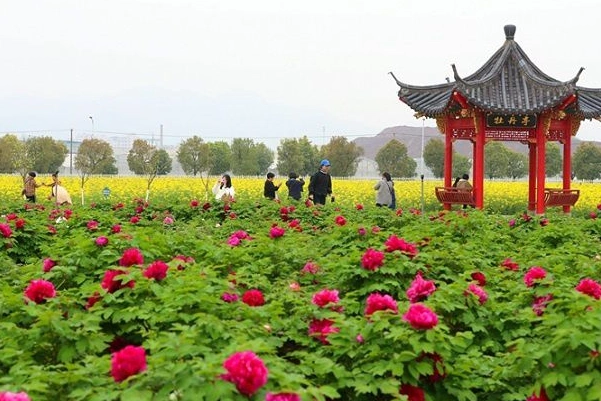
{"x": 320, "y": 185}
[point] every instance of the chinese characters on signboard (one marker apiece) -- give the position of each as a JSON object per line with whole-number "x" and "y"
{"x": 511, "y": 120}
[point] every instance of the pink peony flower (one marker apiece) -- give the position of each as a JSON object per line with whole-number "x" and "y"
{"x": 276, "y": 232}
{"x": 535, "y": 273}
{"x": 479, "y": 277}
{"x": 592, "y": 215}
{"x": 111, "y": 284}
{"x": 282, "y": 397}
{"x": 92, "y": 225}
{"x": 413, "y": 393}
{"x": 378, "y": 302}
{"x": 229, "y": 297}
{"x": 394, "y": 243}
{"x": 233, "y": 241}
{"x": 131, "y": 256}
{"x": 321, "y": 329}
{"x": 420, "y": 317}
{"x": 48, "y": 264}
{"x": 253, "y": 298}
{"x": 5, "y": 230}
{"x": 168, "y": 220}
{"x": 510, "y": 264}
{"x": 8, "y": 396}
{"x": 511, "y": 223}
{"x": 116, "y": 229}
{"x": 372, "y": 259}
{"x": 340, "y": 220}
{"x": 362, "y": 231}
{"x": 39, "y": 291}
{"x": 325, "y": 297}
{"x": 540, "y": 304}
{"x": 589, "y": 287}
{"x": 420, "y": 289}
{"x": 310, "y": 268}
{"x": 359, "y": 339}
{"x": 102, "y": 241}
{"x": 246, "y": 371}
{"x": 477, "y": 291}
{"x": 294, "y": 286}
{"x": 156, "y": 270}
{"x": 127, "y": 362}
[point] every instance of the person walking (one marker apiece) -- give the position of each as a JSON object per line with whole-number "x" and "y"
{"x": 385, "y": 195}
{"x": 270, "y": 189}
{"x": 295, "y": 187}
{"x": 320, "y": 185}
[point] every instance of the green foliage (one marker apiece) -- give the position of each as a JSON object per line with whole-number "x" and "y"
{"x": 343, "y": 155}
{"x": 194, "y": 156}
{"x": 221, "y": 157}
{"x": 250, "y": 158}
{"x": 45, "y": 154}
{"x": 95, "y": 156}
{"x": 394, "y": 159}
{"x": 434, "y": 160}
{"x": 11, "y": 153}
{"x": 298, "y": 155}
{"x": 496, "y": 159}
{"x": 586, "y": 161}
{"x": 553, "y": 160}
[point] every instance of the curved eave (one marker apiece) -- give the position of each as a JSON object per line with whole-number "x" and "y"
{"x": 589, "y": 102}
{"x": 430, "y": 101}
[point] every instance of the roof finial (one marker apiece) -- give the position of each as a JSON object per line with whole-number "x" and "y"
{"x": 509, "y": 32}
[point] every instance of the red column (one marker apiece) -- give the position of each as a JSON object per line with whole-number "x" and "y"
{"x": 448, "y": 161}
{"x": 567, "y": 159}
{"x": 478, "y": 154}
{"x": 540, "y": 166}
{"x": 531, "y": 176}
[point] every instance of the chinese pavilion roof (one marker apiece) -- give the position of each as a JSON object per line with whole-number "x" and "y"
{"x": 508, "y": 83}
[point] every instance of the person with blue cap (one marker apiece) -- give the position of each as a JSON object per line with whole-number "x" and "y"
{"x": 320, "y": 185}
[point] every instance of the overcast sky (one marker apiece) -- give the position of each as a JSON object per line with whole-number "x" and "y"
{"x": 265, "y": 69}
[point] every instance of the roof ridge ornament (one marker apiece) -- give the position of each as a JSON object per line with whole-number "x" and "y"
{"x": 509, "y": 31}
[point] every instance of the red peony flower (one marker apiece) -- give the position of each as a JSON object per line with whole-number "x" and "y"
{"x": 116, "y": 229}
{"x": 19, "y": 224}
{"x": 510, "y": 264}
{"x": 480, "y": 278}
{"x": 39, "y": 291}
{"x": 325, "y": 297}
{"x": 372, "y": 259}
{"x": 102, "y": 241}
{"x": 253, "y": 298}
{"x": 477, "y": 291}
{"x": 112, "y": 284}
{"x": 11, "y": 216}
{"x": 541, "y": 397}
{"x": 413, "y": 393}
{"x": 340, "y": 220}
{"x": 420, "y": 317}
{"x": 93, "y": 299}
{"x": 127, "y": 362}
{"x": 48, "y": 264}
{"x": 92, "y": 225}
{"x": 5, "y": 230}
{"x": 282, "y": 397}
{"x": 359, "y": 206}
{"x": 378, "y": 302}
{"x": 420, "y": 289}
{"x": 438, "y": 371}
{"x": 394, "y": 243}
{"x": 276, "y": 232}
{"x": 131, "y": 256}
{"x": 361, "y": 231}
{"x": 321, "y": 329}
{"x": 194, "y": 203}
{"x": 52, "y": 229}
{"x": 156, "y": 270}
{"x": 134, "y": 219}
{"x": 535, "y": 273}
{"x": 8, "y": 396}
{"x": 589, "y": 287}
{"x": 540, "y": 304}
{"x": 246, "y": 371}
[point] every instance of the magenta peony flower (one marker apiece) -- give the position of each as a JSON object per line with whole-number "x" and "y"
{"x": 116, "y": 229}
{"x": 477, "y": 291}
{"x": 325, "y": 297}
{"x": 127, "y": 362}
{"x": 540, "y": 304}
{"x": 19, "y": 224}
{"x": 168, "y": 220}
{"x": 510, "y": 264}
{"x": 372, "y": 259}
{"x": 310, "y": 268}
{"x": 229, "y": 297}
{"x": 92, "y": 225}
{"x": 5, "y": 230}
{"x": 362, "y": 231}
{"x": 8, "y": 396}
{"x": 321, "y": 329}
{"x": 48, "y": 264}
{"x": 276, "y": 232}
{"x": 253, "y": 298}
{"x": 102, "y": 241}
{"x": 479, "y": 277}
{"x": 233, "y": 241}
{"x": 246, "y": 371}
{"x": 535, "y": 273}
{"x": 112, "y": 284}
{"x": 131, "y": 256}
{"x": 378, "y": 302}
{"x": 134, "y": 219}
{"x": 420, "y": 289}
{"x": 420, "y": 317}
{"x": 340, "y": 220}
{"x": 39, "y": 291}
{"x": 156, "y": 270}
{"x": 511, "y": 223}
{"x": 394, "y": 243}
{"x": 413, "y": 393}
{"x": 282, "y": 397}
{"x": 589, "y": 287}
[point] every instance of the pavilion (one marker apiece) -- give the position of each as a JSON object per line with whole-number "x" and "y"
{"x": 507, "y": 99}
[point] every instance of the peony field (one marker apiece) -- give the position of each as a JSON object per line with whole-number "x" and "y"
{"x": 172, "y": 295}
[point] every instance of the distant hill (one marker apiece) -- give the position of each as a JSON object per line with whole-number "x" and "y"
{"x": 411, "y": 137}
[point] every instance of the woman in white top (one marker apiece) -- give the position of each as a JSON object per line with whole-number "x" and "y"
{"x": 385, "y": 190}
{"x": 223, "y": 189}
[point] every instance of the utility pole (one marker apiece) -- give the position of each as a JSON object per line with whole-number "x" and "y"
{"x": 161, "y": 138}
{"x": 71, "y": 154}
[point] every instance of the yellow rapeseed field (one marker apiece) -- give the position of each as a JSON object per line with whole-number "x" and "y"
{"x": 498, "y": 195}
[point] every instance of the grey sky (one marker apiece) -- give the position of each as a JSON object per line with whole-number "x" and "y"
{"x": 263, "y": 69}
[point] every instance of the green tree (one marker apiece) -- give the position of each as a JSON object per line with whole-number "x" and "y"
{"x": 434, "y": 160}
{"x": 194, "y": 156}
{"x": 496, "y": 160}
{"x": 46, "y": 154}
{"x": 394, "y": 159}
{"x": 143, "y": 159}
{"x": 461, "y": 165}
{"x": 264, "y": 157}
{"x": 220, "y": 157}
{"x": 343, "y": 155}
{"x": 586, "y": 162}
{"x": 290, "y": 157}
{"x": 553, "y": 160}
{"x": 517, "y": 166}
{"x": 10, "y": 152}
{"x": 164, "y": 163}
{"x": 95, "y": 156}
{"x": 310, "y": 154}
{"x": 243, "y": 158}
